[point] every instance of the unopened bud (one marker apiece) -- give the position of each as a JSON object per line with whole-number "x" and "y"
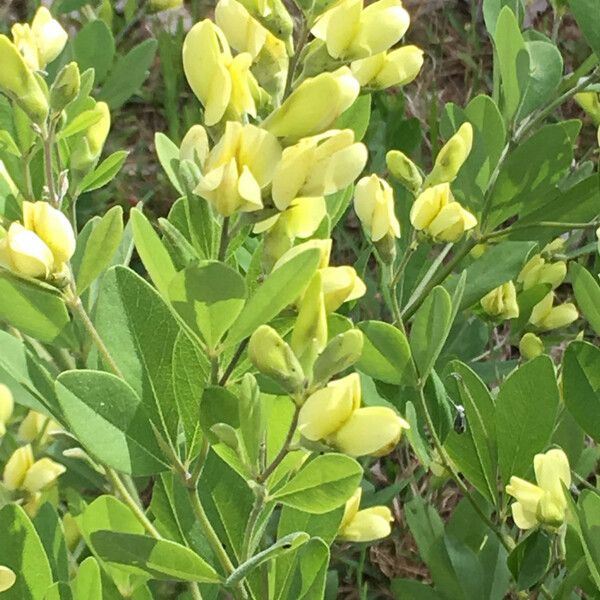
{"x": 531, "y": 346}
{"x": 404, "y": 170}
{"x": 339, "y": 354}
{"x": 65, "y": 87}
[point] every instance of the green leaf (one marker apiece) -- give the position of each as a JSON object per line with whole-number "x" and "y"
{"x": 278, "y": 290}
{"x": 209, "y": 297}
{"x": 59, "y": 591}
{"x": 356, "y": 117}
{"x": 513, "y": 60}
{"x": 110, "y": 421}
{"x": 288, "y": 543}
{"x": 386, "y": 354}
{"x": 100, "y": 247}
{"x": 49, "y": 528}
{"x": 128, "y": 74}
{"x": 322, "y": 485}
{"x": 21, "y": 550}
{"x": 310, "y": 571}
{"x": 587, "y": 294}
{"x": 496, "y": 266}
{"x": 94, "y": 47}
{"x": 168, "y": 155}
{"x": 80, "y": 123}
{"x": 140, "y": 332}
{"x": 545, "y": 72}
{"x": 525, "y": 416}
{"x": 403, "y": 589}
{"x": 581, "y": 385}
{"x": 87, "y": 584}
{"x": 160, "y": 559}
{"x": 105, "y": 172}
{"x": 430, "y": 329}
{"x": 474, "y": 451}
{"x": 152, "y": 251}
{"x": 492, "y": 8}
{"x": 587, "y": 15}
{"x": 35, "y": 309}
{"x": 529, "y": 561}
{"x": 7, "y": 144}
{"x": 589, "y": 523}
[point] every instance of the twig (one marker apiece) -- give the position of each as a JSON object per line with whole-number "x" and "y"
{"x": 262, "y": 477}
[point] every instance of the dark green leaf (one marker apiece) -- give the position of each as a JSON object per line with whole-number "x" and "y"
{"x": 587, "y": 14}
{"x": 94, "y": 47}
{"x": 49, "y": 528}
{"x": 531, "y": 558}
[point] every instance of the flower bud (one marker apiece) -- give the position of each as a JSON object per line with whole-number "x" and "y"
{"x": 546, "y": 316}
{"x": 372, "y": 430}
{"x": 41, "y": 474}
{"x": 537, "y": 271}
{"x": 452, "y": 156}
{"x": 325, "y": 411}
{"x": 369, "y": 524}
{"x": 155, "y": 6}
{"x": 243, "y": 32}
{"x": 19, "y": 83}
{"x": 351, "y": 31}
{"x": 89, "y": 147}
{"x": 340, "y": 284}
{"x": 194, "y": 146}
{"x": 7, "y": 578}
{"x": 274, "y": 16}
{"x": 50, "y": 37}
{"x": 36, "y": 424}
{"x": 71, "y": 529}
{"x": 387, "y": 69}
{"x": 7, "y": 405}
{"x": 404, "y": 170}
{"x": 271, "y": 355}
{"x": 65, "y": 87}
{"x": 16, "y": 467}
{"x": 374, "y": 206}
{"x": 501, "y": 302}
{"x": 314, "y": 105}
{"x": 340, "y": 353}
{"x": 531, "y": 346}
{"x": 25, "y": 253}
{"x": 590, "y": 102}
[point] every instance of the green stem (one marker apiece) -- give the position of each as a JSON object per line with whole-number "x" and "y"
{"x": 234, "y": 361}
{"x": 247, "y": 545}
{"x": 552, "y": 224}
{"x": 131, "y": 503}
{"x": 224, "y": 241}
{"x": 447, "y": 462}
{"x": 303, "y": 38}
{"x": 48, "y": 143}
{"x": 262, "y": 477}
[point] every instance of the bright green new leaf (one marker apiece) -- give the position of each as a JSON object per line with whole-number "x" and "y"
{"x": 168, "y": 155}
{"x": 105, "y": 172}
{"x": 87, "y": 584}
{"x": 587, "y": 294}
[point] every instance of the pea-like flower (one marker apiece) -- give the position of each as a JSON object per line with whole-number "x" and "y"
{"x": 531, "y": 346}
{"x": 374, "y": 206}
{"x": 36, "y": 425}
{"x": 436, "y": 212}
{"x": 538, "y": 271}
{"x": 223, "y": 83}
{"x": 318, "y": 166}
{"x": 42, "y": 41}
{"x": 590, "y": 102}
{"x": 314, "y": 105}
{"x": 243, "y": 32}
{"x": 21, "y": 472}
{"x": 351, "y": 31}
{"x": 387, "y": 69}
{"x": 365, "y": 525}
{"x": 544, "y": 503}
{"x": 194, "y": 145}
{"x": 501, "y": 302}
{"x": 452, "y": 156}
{"x": 7, "y": 578}
{"x": 7, "y": 405}
{"x": 341, "y": 284}
{"x": 546, "y": 316}
{"x": 238, "y": 167}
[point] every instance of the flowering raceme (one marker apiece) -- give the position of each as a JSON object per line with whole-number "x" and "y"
{"x": 544, "y": 503}
{"x": 365, "y": 525}
{"x": 351, "y": 31}
{"x": 238, "y": 167}
{"x": 42, "y": 245}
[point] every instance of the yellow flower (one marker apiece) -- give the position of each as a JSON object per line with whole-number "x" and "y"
{"x": 374, "y": 206}
{"x": 452, "y": 156}
{"x": 41, "y": 474}
{"x": 437, "y": 213}
{"x": 314, "y": 105}
{"x": 88, "y": 148}
{"x": 537, "y": 271}
{"x": 222, "y": 83}
{"x": 324, "y": 247}
{"x": 33, "y": 425}
{"x": 351, "y": 31}
{"x": 25, "y": 253}
{"x": 194, "y": 145}
{"x": 41, "y": 42}
{"x": 501, "y": 302}
{"x": 546, "y": 316}
{"x": 238, "y": 167}
{"x": 386, "y": 69}
{"x": 318, "y": 166}
{"x": 7, "y": 578}
{"x": 17, "y": 466}
{"x": 531, "y": 346}
{"x": 7, "y": 405}
{"x": 325, "y": 411}
{"x": 590, "y": 102}
{"x": 341, "y": 284}
{"x": 19, "y": 83}
{"x": 544, "y": 503}
{"x": 373, "y": 430}
{"x": 271, "y": 355}
{"x": 364, "y": 525}
{"x": 243, "y": 32}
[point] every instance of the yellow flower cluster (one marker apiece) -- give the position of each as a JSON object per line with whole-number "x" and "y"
{"x": 545, "y": 503}
{"x": 41, "y": 246}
